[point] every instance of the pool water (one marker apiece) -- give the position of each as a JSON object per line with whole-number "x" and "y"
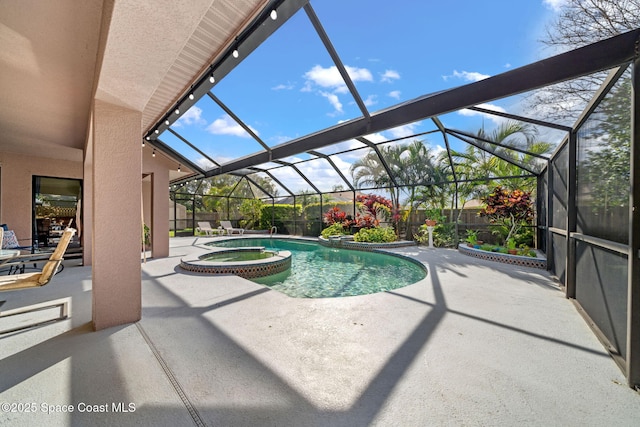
{"x": 237, "y": 256}
{"x": 321, "y": 272}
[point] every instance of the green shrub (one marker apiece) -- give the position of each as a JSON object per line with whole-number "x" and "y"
{"x": 312, "y": 215}
{"x": 251, "y": 210}
{"x": 443, "y": 235}
{"x": 333, "y": 230}
{"x": 313, "y": 212}
{"x": 472, "y": 237}
{"x": 279, "y": 215}
{"x": 525, "y": 237}
{"x": 375, "y": 235}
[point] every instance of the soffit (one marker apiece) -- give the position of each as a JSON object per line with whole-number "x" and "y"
{"x": 155, "y": 50}
{"x": 47, "y": 68}
{"x": 52, "y": 53}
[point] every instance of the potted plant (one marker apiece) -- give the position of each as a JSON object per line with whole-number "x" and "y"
{"x": 433, "y": 215}
{"x": 511, "y": 246}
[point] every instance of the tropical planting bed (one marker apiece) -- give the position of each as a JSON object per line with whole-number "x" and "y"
{"x": 539, "y": 261}
{"x": 366, "y": 228}
{"x": 347, "y": 242}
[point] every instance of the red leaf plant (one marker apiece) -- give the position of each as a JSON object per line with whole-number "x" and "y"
{"x": 336, "y": 215}
{"x": 375, "y": 208}
{"x": 509, "y": 208}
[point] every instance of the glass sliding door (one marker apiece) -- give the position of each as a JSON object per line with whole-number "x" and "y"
{"x": 56, "y": 204}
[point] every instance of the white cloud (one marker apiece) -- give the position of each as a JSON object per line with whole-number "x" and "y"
{"x": 205, "y": 163}
{"x": 280, "y": 139}
{"x": 343, "y": 146}
{"x": 282, "y": 86}
{"x": 554, "y": 5}
{"x": 375, "y": 137}
{"x": 395, "y": 94}
{"x": 321, "y": 173}
{"x": 330, "y": 77}
{"x": 402, "y": 131}
{"x": 193, "y": 116}
{"x": 333, "y": 100}
{"x": 308, "y": 87}
{"x": 437, "y": 149}
{"x": 329, "y": 83}
{"x": 389, "y": 76}
{"x": 225, "y": 125}
{"x": 495, "y": 119}
{"x": 371, "y": 100}
{"x": 469, "y": 76}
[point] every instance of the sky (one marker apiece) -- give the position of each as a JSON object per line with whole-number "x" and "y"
{"x": 393, "y": 51}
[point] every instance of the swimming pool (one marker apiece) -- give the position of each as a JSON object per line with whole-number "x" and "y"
{"x": 322, "y": 272}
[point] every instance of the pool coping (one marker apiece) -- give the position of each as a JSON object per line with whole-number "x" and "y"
{"x": 279, "y": 262}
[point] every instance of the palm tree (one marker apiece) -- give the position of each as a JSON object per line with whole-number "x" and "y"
{"x": 476, "y": 163}
{"x": 369, "y": 171}
{"x": 413, "y": 166}
{"x": 421, "y": 170}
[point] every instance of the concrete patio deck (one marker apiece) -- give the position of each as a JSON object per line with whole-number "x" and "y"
{"x": 474, "y": 344}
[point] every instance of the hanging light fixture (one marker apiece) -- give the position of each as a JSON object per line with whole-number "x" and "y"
{"x": 191, "y": 97}
{"x": 212, "y": 79}
{"x": 177, "y": 111}
{"x": 156, "y": 131}
{"x": 143, "y": 142}
{"x": 178, "y": 167}
{"x": 274, "y": 14}
{"x": 235, "y": 52}
{"x": 154, "y": 153}
{"x": 167, "y": 122}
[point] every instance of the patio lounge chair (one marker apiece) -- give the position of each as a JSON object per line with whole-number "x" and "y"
{"x": 205, "y": 227}
{"x": 14, "y": 282}
{"x": 229, "y": 228}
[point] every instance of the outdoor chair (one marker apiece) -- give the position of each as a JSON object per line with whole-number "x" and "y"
{"x": 230, "y": 229}
{"x": 204, "y": 226}
{"x": 14, "y": 282}
{"x": 9, "y": 240}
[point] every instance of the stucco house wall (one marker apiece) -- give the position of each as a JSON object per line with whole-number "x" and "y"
{"x": 16, "y": 189}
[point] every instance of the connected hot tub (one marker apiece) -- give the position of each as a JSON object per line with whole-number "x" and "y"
{"x": 247, "y": 262}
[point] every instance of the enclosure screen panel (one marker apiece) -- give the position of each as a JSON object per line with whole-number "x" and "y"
{"x": 559, "y": 243}
{"x": 542, "y": 210}
{"x": 601, "y": 289}
{"x": 559, "y": 188}
{"x": 603, "y": 168}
